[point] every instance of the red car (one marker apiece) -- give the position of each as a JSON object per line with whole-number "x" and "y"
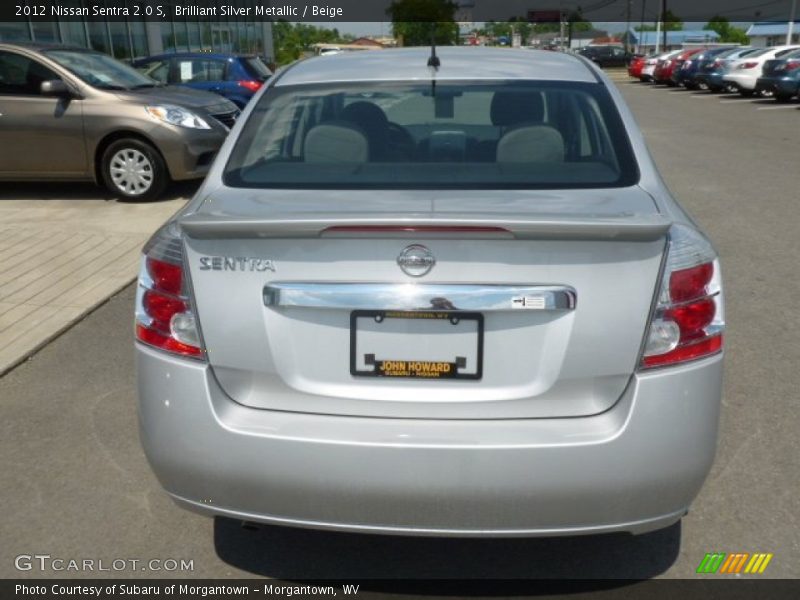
{"x": 665, "y": 68}
{"x": 636, "y": 65}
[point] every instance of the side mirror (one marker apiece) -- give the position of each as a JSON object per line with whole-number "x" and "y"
{"x": 55, "y": 87}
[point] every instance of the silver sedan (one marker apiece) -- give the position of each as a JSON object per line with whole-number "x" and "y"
{"x": 433, "y": 299}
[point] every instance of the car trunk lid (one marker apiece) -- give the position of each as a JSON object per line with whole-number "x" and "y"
{"x": 536, "y": 305}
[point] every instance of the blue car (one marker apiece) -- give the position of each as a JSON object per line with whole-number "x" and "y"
{"x": 237, "y": 77}
{"x": 685, "y": 76}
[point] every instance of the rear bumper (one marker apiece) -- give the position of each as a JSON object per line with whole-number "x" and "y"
{"x": 635, "y": 468}
{"x": 715, "y": 80}
{"x": 776, "y": 85}
{"x": 741, "y": 80}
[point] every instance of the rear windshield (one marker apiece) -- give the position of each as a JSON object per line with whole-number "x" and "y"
{"x": 256, "y": 68}
{"x": 419, "y": 135}
{"x": 758, "y": 52}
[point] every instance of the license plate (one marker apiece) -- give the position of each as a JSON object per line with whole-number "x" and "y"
{"x": 416, "y": 345}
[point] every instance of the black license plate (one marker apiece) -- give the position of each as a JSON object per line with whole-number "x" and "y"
{"x": 416, "y": 344}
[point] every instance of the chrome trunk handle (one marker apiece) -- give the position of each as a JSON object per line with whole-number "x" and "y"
{"x": 415, "y": 296}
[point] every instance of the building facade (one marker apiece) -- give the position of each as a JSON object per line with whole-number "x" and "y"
{"x": 773, "y": 33}
{"x": 647, "y": 41}
{"x": 135, "y": 38}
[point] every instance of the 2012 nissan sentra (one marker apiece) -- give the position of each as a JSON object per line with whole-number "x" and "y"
{"x": 426, "y": 295}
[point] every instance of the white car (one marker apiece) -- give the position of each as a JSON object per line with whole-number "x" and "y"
{"x": 744, "y": 73}
{"x": 651, "y": 63}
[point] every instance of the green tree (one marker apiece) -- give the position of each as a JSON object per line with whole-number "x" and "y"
{"x": 526, "y": 30}
{"x": 671, "y": 22}
{"x": 727, "y": 32}
{"x": 292, "y": 40}
{"x": 417, "y": 22}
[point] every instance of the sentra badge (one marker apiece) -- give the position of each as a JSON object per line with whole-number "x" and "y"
{"x": 236, "y": 263}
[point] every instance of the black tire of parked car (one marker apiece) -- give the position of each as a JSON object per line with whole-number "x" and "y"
{"x": 160, "y": 173}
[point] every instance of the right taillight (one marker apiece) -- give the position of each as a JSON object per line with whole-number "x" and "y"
{"x": 748, "y": 65}
{"x": 688, "y": 320}
{"x": 164, "y": 315}
{"x": 251, "y": 85}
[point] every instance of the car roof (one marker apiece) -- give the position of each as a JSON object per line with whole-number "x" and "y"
{"x": 219, "y": 55}
{"x": 41, "y": 46}
{"x": 464, "y": 63}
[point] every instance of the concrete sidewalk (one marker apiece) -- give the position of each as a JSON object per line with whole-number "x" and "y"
{"x": 64, "y": 249}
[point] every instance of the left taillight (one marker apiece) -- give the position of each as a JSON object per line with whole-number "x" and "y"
{"x": 688, "y": 320}
{"x": 165, "y": 318}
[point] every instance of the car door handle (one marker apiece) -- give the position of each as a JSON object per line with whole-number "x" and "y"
{"x": 409, "y": 296}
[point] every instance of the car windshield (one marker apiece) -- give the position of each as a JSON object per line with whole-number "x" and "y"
{"x": 101, "y": 71}
{"x": 425, "y": 135}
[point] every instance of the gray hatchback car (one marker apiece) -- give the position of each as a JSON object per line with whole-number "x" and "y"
{"x": 74, "y": 114}
{"x": 453, "y": 300}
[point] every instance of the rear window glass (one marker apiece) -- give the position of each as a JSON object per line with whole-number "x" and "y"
{"x": 256, "y": 68}
{"x": 758, "y": 52}
{"x": 420, "y": 135}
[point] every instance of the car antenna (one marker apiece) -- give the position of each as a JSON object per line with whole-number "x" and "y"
{"x": 433, "y": 61}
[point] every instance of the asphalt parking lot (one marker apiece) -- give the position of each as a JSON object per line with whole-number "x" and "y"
{"x": 76, "y": 485}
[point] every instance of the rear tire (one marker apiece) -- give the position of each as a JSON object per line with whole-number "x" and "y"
{"x": 134, "y": 170}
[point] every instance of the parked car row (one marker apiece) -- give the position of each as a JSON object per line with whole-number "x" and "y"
{"x": 745, "y": 70}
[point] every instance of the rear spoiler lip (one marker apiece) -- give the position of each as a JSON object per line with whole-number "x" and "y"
{"x": 629, "y": 227}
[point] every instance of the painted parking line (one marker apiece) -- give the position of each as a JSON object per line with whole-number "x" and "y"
{"x": 780, "y": 107}
{"x": 736, "y": 100}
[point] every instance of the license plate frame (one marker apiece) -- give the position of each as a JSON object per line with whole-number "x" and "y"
{"x": 416, "y": 370}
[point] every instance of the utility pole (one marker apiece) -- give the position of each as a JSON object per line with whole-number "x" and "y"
{"x": 628, "y": 26}
{"x": 658, "y": 34}
{"x": 641, "y": 27}
{"x": 664, "y": 18}
{"x": 792, "y": 15}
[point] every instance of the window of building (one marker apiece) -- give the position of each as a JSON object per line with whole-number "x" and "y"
{"x": 207, "y": 38}
{"x": 167, "y": 37}
{"x": 181, "y": 37}
{"x": 120, "y": 41}
{"x": 240, "y": 45}
{"x": 98, "y": 36}
{"x": 22, "y": 76}
{"x": 14, "y": 31}
{"x": 74, "y": 33}
{"x": 45, "y": 31}
{"x": 253, "y": 37}
{"x": 141, "y": 48}
{"x": 194, "y": 36}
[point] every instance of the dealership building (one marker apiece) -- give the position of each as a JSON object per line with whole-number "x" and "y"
{"x": 127, "y": 38}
